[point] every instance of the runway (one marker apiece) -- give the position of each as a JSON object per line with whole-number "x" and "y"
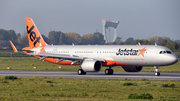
{"x": 98, "y": 75}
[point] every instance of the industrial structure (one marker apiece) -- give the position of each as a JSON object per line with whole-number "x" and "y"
{"x": 105, "y": 25}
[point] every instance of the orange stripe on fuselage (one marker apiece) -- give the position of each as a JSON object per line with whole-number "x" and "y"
{"x": 113, "y": 63}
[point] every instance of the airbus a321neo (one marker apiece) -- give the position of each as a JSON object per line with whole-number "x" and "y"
{"x": 91, "y": 58}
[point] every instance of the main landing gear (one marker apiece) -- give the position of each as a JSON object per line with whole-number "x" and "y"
{"x": 81, "y": 72}
{"x": 109, "y": 71}
{"x": 156, "y": 73}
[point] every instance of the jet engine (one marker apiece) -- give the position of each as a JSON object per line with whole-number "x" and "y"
{"x": 132, "y": 68}
{"x": 91, "y": 66}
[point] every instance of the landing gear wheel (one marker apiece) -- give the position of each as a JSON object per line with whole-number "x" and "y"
{"x": 157, "y": 73}
{"x": 109, "y": 71}
{"x": 81, "y": 72}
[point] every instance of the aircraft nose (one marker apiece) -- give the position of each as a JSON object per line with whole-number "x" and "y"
{"x": 172, "y": 59}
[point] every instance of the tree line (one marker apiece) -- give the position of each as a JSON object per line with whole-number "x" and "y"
{"x": 163, "y": 41}
{"x": 61, "y": 38}
{"x": 54, "y": 37}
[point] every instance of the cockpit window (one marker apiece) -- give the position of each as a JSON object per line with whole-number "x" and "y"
{"x": 163, "y": 52}
{"x": 169, "y": 52}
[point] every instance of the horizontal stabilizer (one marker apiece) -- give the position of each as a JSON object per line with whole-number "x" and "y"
{"x": 13, "y": 47}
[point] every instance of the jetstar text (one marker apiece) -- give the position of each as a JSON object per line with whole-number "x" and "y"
{"x": 127, "y": 52}
{"x": 33, "y": 35}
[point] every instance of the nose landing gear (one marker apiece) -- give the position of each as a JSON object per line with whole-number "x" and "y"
{"x": 156, "y": 73}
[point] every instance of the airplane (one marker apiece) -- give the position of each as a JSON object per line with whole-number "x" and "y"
{"x": 91, "y": 58}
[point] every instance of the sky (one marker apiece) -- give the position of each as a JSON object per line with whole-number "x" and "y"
{"x": 139, "y": 19}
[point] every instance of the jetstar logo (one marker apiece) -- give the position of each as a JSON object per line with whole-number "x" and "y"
{"x": 131, "y": 52}
{"x": 42, "y": 50}
{"x": 127, "y": 52}
{"x": 33, "y": 37}
{"x": 142, "y": 51}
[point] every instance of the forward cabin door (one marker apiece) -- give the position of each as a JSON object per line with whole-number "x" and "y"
{"x": 150, "y": 52}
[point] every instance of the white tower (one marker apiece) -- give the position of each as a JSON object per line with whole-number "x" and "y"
{"x": 106, "y": 24}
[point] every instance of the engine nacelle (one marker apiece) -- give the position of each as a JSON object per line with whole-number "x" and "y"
{"x": 91, "y": 66}
{"x": 132, "y": 68}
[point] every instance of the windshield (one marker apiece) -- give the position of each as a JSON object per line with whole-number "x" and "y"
{"x": 165, "y": 52}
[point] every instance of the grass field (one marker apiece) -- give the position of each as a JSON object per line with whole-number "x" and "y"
{"x": 56, "y": 89}
{"x": 176, "y": 51}
{"x": 28, "y": 89}
{"x": 30, "y": 63}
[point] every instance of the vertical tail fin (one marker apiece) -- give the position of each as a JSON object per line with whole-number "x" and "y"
{"x": 34, "y": 37}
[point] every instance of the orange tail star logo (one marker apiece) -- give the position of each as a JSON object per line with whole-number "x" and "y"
{"x": 42, "y": 50}
{"x": 141, "y": 51}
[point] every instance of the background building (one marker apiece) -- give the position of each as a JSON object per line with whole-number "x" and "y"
{"x": 105, "y": 25}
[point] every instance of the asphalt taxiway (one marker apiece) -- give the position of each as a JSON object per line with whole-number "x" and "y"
{"x": 92, "y": 75}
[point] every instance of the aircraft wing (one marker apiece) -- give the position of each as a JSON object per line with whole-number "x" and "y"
{"x": 58, "y": 56}
{"x": 65, "y": 57}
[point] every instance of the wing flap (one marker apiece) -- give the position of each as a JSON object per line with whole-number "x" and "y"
{"x": 65, "y": 57}
{"x": 58, "y": 56}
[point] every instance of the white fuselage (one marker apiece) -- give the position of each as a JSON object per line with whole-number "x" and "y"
{"x": 136, "y": 55}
